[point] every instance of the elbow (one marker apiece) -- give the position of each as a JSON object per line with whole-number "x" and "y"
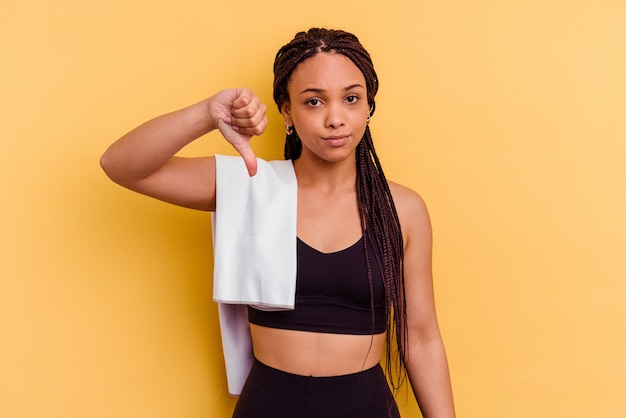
{"x": 107, "y": 166}
{"x": 120, "y": 170}
{"x": 111, "y": 168}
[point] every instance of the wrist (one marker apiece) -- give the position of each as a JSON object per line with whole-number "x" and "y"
{"x": 201, "y": 118}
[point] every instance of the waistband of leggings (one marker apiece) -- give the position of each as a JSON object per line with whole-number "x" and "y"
{"x": 289, "y": 379}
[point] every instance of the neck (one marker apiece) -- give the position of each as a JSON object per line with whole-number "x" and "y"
{"x": 314, "y": 172}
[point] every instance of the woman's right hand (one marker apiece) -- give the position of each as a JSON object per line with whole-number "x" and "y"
{"x": 239, "y": 114}
{"x": 144, "y": 160}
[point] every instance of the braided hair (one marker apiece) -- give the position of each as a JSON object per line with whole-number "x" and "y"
{"x": 376, "y": 207}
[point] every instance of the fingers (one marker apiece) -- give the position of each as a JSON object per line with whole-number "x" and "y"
{"x": 240, "y": 114}
{"x": 255, "y": 129}
{"x": 248, "y": 113}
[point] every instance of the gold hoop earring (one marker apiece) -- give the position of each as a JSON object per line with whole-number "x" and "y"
{"x": 289, "y": 130}
{"x": 369, "y": 116}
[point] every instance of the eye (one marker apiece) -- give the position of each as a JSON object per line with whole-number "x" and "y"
{"x": 353, "y": 98}
{"x": 313, "y": 102}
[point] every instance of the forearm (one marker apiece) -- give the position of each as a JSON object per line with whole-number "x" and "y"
{"x": 146, "y": 148}
{"x": 430, "y": 378}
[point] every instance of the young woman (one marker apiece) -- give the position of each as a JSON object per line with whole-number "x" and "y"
{"x": 364, "y": 286}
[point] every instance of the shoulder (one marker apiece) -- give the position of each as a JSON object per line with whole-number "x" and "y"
{"x": 412, "y": 212}
{"x": 409, "y": 203}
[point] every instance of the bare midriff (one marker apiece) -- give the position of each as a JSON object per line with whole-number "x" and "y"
{"x": 314, "y": 353}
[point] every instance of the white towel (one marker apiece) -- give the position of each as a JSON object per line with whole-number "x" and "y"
{"x": 254, "y": 245}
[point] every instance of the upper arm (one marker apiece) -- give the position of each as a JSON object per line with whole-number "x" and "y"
{"x": 425, "y": 359}
{"x": 418, "y": 281}
{"x": 188, "y": 182}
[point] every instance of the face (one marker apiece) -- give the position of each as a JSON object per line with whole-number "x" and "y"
{"x": 327, "y": 106}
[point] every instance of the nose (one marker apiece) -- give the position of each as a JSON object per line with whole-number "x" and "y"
{"x": 334, "y": 116}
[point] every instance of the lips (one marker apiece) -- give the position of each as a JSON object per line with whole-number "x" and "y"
{"x": 336, "y": 140}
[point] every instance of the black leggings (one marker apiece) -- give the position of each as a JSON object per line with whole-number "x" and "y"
{"x": 272, "y": 393}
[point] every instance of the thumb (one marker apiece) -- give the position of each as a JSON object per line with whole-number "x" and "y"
{"x": 241, "y": 143}
{"x": 248, "y": 157}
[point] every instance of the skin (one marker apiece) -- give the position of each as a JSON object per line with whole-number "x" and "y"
{"x": 329, "y": 110}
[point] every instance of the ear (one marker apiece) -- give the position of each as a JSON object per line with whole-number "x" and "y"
{"x": 285, "y": 110}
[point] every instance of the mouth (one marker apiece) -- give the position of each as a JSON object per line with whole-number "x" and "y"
{"x": 336, "y": 140}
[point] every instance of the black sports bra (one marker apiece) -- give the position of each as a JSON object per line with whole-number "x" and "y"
{"x": 332, "y": 294}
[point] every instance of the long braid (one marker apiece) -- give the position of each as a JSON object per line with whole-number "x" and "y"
{"x": 376, "y": 207}
{"x": 379, "y": 219}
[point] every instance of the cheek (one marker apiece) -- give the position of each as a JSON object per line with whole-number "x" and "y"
{"x": 361, "y": 116}
{"x": 305, "y": 120}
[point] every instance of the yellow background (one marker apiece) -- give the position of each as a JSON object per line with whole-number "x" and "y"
{"x": 509, "y": 117}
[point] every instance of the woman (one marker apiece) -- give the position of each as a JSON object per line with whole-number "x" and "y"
{"x": 322, "y": 358}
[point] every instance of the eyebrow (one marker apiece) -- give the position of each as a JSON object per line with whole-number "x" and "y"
{"x": 316, "y": 90}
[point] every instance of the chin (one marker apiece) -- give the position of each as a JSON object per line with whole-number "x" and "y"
{"x": 338, "y": 156}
